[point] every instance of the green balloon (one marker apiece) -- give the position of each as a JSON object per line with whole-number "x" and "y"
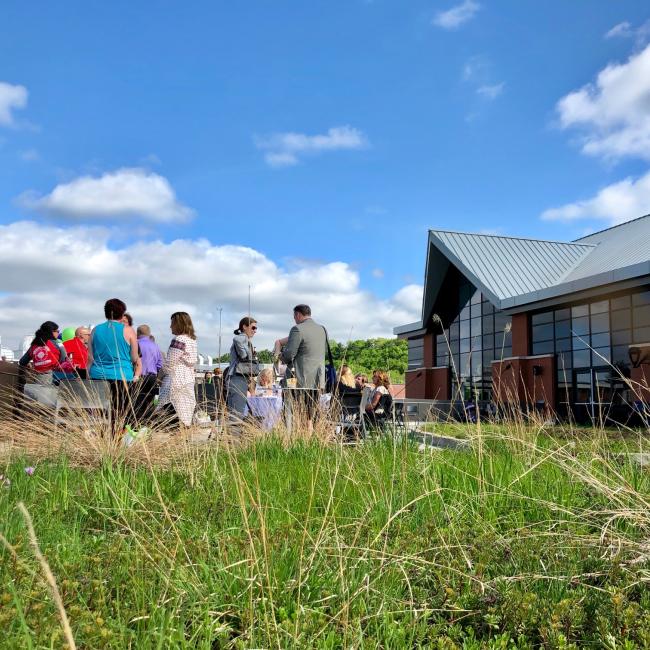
{"x": 67, "y": 334}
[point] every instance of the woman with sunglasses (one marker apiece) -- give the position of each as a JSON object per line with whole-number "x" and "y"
{"x": 243, "y": 365}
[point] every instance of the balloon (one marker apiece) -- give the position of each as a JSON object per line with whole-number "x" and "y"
{"x": 67, "y": 334}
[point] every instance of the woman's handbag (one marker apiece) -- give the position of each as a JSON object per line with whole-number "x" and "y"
{"x": 248, "y": 368}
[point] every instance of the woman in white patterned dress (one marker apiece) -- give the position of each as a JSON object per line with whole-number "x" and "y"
{"x": 177, "y": 388}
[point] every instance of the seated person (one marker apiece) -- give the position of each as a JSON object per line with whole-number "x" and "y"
{"x": 376, "y": 411}
{"x": 345, "y": 383}
{"x": 265, "y": 385}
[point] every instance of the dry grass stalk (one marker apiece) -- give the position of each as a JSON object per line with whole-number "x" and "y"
{"x": 49, "y": 577}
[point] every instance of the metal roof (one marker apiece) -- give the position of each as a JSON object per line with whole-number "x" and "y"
{"x": 515, "y": 273}
{"x": 616, "y": 248}
{"x": 504, "y": 267}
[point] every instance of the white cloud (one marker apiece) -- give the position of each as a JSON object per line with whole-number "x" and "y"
{"x": 640, "y": 34}
{"x": 11, "y": 98}
{"x": 622, "y": 201}
{"x": 491, "y": 91}
{"x": 378, "y": 273}
{"x": 80, "y": 270}
{"x": 127, "y": 192}
{"x": 286, "y": 149}
{"x": 456, "y": 16}
{"x": 614, "y": 112}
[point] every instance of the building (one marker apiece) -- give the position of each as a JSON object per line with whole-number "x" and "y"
{"x": 562, "y": 324}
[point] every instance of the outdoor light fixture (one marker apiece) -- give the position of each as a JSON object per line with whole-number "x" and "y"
{"x": 537, "y": 370}
{"x": 635, "y": 356}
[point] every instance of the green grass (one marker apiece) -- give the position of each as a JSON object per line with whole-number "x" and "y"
{"x": 509, "y": 545}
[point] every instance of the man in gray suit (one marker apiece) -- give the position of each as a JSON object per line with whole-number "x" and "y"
{"x": 305, "y": 349}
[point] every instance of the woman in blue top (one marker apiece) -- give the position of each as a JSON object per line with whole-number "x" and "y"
{"x": 113, "y": 357}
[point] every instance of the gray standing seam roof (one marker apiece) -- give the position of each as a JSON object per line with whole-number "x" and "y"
{"x": 514, "y": 272}
{"x": 508, "y": 266}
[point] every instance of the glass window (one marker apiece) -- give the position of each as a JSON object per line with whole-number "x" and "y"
{"x": 543, "y": 347}
{"x": 641, "y": 298}
{"x": 454, "y": 331}
{"x": 464, "y": 368}
{"x": 623, "y": 337}
{"x": 500, "y": 322}
{"x": 641, "y": 335}
{"x": 580, "y": 326}
{"x": 600, "y": 323}
{"x": 442, "y": 360}
{"x": 600, "y": 307}
{"x": 579, "y": 310}
{"x": 488, "y": 308}
{"x": 488, "y": 358}
{"x": 581, "y": 359}
{"x": 543, "y": 332}
{"x": 641, "y": 316}
{"x": 441, "y": 343}
{"x": 564, "y": 360}
{"x": 603, "y": 385}
{"x": 488, "y": 324}
{"x": 621, "y": 320}
{"x": 454, "y": 346}
{"x": 600, "y": 340}
{"x": 580, "y": 342}
{"x": 600, "y": 356}
{"x": 583, "y": 387}
{"x": 562, "y": 314}
{"x": 620, "y": 303}
{"x": 475, "y": 310}
{"x": 562, "y": 329}
{"x": 476, "y": 326}
{"x": 464, "y": 329}
{"x": 563, "y": 345}
{"x": 465, "y": 345}
{"x": 464, "y": 313}
{"x": 621, "y": 356}
{"x": 540, "y": 319}
{"x": 507, "y": 351}
{"x": 488, "y": 341}
{"x": 476, "y": 298}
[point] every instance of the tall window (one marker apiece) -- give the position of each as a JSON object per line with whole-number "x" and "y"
{"x": 477, "y": 336}
{"x": 415, "y": 353}
{"x": 592, "y": 335}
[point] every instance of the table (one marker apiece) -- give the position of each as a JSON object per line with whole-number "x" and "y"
{"x": 268, "y": 408}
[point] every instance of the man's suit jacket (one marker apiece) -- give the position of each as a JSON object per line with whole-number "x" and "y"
{"x": 306, "y": 349}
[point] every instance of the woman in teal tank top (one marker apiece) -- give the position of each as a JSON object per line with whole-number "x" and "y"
{"x": 111, "y": 353}
{"x": 113, "y": 357}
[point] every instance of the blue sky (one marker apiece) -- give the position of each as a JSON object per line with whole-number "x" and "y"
{"x": 430, "y": 114}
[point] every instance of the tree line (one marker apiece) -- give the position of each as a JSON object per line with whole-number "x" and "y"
{"x": 364, "y": 355}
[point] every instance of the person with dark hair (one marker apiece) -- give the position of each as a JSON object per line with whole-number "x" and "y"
{"x": 177, "y": 388}
{"x": 113, "y": 357}
{"x": 127, "y": 319}
{"x": 45, "y": 354}
{"x": 243, "y": 364}
{"x": 305, "y": 350}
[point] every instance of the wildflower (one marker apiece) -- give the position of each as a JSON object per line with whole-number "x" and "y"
{"x": 4, "y": 480}
{"x": 29, "y": 470}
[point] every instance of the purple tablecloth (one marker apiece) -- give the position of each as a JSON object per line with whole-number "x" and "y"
{"x": 266, "y": 407}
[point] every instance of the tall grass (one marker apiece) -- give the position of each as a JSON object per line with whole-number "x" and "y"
{"x": 282, "y": 540}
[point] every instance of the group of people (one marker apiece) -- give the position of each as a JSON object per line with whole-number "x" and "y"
{"x": 118, "y": 354}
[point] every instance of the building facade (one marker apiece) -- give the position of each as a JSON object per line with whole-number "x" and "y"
{"x": 565, "y": 325}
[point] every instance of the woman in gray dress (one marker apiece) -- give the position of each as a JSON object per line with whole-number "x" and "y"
{"x": 241, "y": 353}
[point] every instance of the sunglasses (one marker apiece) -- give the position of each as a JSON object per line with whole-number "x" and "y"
{"x": 254, "y": 328}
